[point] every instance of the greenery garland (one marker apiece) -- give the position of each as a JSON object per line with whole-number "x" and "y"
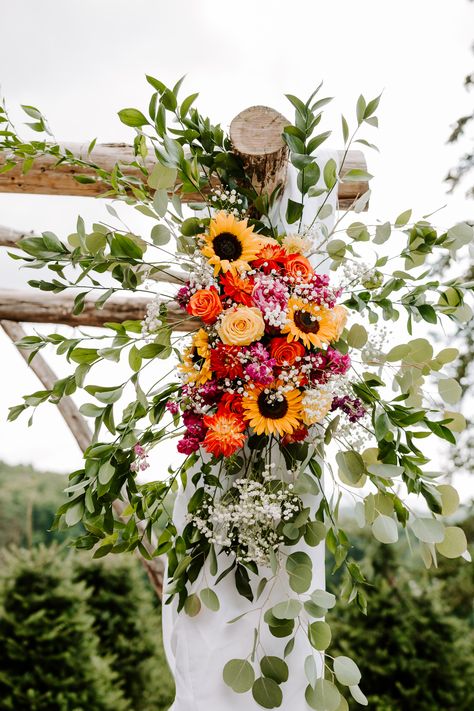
{"x": 395, "y": 397}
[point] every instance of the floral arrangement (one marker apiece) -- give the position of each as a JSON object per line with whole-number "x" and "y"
{"x": 263, "y": 362}
{"x": 281, "y": 363}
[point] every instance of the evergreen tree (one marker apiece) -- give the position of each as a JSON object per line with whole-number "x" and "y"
{"x": 413, "y": 654}
{"x": 48, "y": 650}
{"x": 128, "y": 624}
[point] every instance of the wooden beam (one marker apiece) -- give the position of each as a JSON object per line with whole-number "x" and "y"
{"x": 44, "y": 178}
{"x": 83, "y": 436}
{"x": 38, "y": 307}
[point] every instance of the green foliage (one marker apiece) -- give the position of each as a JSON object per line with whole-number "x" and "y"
{"x": 49, "y": 654}
{"x": 28, "y": 503}
{"x": 415, "y": 647}
{"x": 127, "y": 622}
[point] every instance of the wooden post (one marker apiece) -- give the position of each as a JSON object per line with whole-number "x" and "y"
{"x": 256, "y": 138}
{"x": 82, "y": 434}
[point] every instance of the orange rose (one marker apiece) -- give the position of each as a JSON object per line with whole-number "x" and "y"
{"x": 285, "y": 352}
{"x": 298, "y": 267}
{"x": 205, "y": 304}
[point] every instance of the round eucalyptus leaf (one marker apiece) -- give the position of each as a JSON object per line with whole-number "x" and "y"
{"x": 324, "y": 696}
{"x": 357, "y": 336}
{"x": 428, "y": 530}
{"x": 450, "y": 390}
{"x": 192, "y": 606}
{"x": 210, "y": 599}
{"x": 274, "y": 668}
{"x": 160, "y": 235}
{"x": 287, "y": 610}
{"x": 346, "y": 671}
{"x": 385, "y": 529}
{"x": 323, "y": 598}
{"x": 301, "y": 578}
{"x": 449, "y": 499}
{"x": 454, "y": 543}
{"x": 314, "y": 533}
{"x": 319, "y": 634}
{"x": 297, "y": 559}
{"x": 239, "y": 675}
{"x": 267, "y": 693}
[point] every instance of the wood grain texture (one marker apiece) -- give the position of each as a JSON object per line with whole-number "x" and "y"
{"x": 83, "y": 436}
{"x": 38, "y": 307}
{"x": 44, "y": 178}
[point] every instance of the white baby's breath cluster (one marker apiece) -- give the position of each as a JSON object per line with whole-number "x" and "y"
{"x": 247, "y": 517}
{"x": 352, "y": 273}
{"x": 202, "y": 276}
{"x": 374, "y": 348}
{"x": 317, "y": 403}
{"x": 228, "y": 200}
{"x": 152, "y": 321}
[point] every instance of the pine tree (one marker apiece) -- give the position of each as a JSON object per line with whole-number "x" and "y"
{"x": 128, "y": 624}
{"x": 48, "y": 650}
{"x": 413, "y": 654}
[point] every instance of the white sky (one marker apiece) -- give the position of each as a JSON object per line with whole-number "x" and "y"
{"x": 81, "y": 61}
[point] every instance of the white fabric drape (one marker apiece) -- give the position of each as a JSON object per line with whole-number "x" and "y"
{"x": 197, "y": 648}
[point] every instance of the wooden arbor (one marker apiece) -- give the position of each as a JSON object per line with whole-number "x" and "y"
{"x": 256, "y": 138}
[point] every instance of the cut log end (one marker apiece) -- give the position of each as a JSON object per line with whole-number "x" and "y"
{"x": 255, "y": 134}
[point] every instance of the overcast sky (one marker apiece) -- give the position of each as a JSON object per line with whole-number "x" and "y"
{"x": 81, "y": 61}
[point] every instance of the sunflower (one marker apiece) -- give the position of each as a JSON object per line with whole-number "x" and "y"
{"x": 271, "y": 410}
{"x": 230, "y": 244}
{"x": 312, "y": 324}
{"x": 196, "y": 362}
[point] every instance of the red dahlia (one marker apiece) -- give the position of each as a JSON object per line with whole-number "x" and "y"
{"x": 225, "y": 362}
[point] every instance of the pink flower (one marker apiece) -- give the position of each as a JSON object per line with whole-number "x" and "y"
{"x": 338, "y": 363}
{"x": 183, "y": 296}
{"x": 194, "y": 424}
{"x": 270, "y": 294}
{"x": 172, "y": 407}
{"x": 188, "y": 445}
{"x": 139, "y": 450}
{"x": 210, "y": 392}
{"x": 260, "y": 373}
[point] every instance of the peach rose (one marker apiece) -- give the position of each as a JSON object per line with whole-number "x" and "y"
{"x": 298, "y": 267}
{"x": 205, "y": 304}
{"x": 283, "y": 351}
{"x": 339, "y": 315}
{"x": 241, "y": 326}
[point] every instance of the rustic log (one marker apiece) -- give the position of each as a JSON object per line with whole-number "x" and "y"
{"x": 256, "y": 138}
{"x": 37, "y": 307}
{"x": 83, "y": 436}
{"x": 43, "y": 178}
{"x": 10, "y": 238}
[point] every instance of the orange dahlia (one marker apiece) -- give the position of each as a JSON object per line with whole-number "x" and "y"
{"x": 238, "y": 289}
{"x": 225, "y": 434}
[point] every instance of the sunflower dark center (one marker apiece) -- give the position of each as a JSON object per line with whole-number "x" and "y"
{"x": 227, "y": 246}
{"x": 271, "y": 407}
{"x": 305, "y": 322}
{"x": 195, "y": 357}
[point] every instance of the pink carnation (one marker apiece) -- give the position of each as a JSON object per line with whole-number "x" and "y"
{"x": 260, "y": 373}
{"x": 188, "y": 445}
{"x": 270, "y": 293}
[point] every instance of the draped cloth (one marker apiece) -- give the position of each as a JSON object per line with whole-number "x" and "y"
{"x": 197, "y": 648}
